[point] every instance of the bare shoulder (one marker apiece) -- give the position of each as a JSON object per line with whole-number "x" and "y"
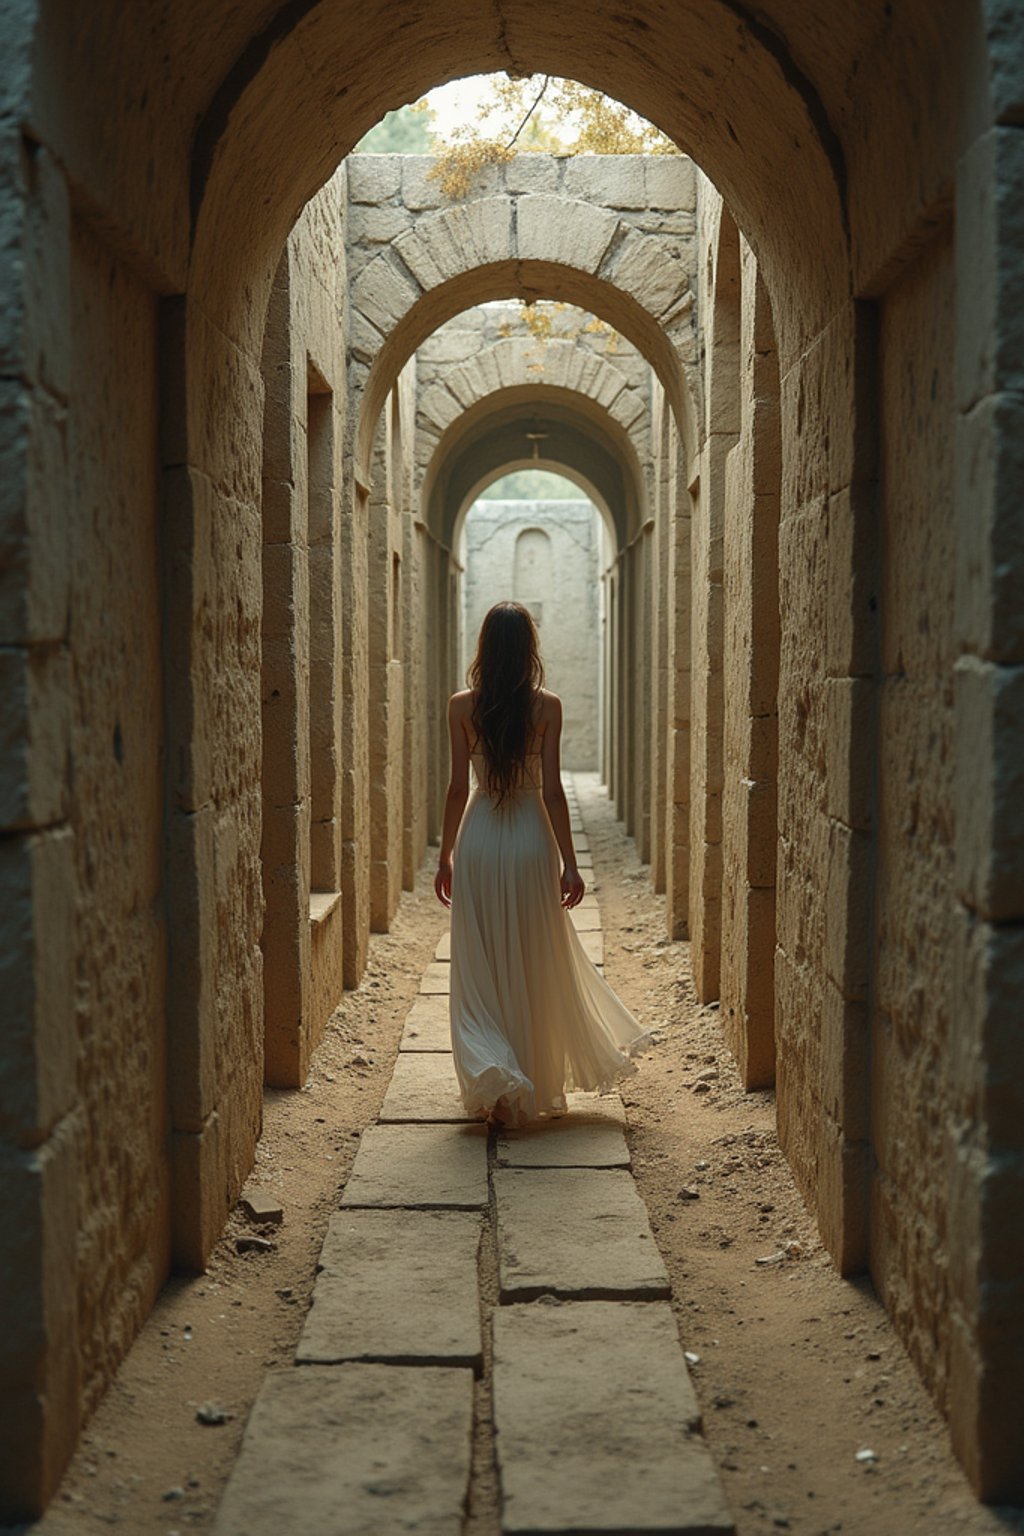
{"x": 550, "y": 709}
{"x": 460, "y": 705}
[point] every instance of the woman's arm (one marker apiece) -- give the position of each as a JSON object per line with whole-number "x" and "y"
{"x": 556, "y": 804}
{"x": 455, "y": 800}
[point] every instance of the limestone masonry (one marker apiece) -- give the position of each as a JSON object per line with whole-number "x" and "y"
{"x": 250, "y": 387}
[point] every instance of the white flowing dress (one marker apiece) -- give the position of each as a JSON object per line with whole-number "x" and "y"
{"x": 530, "y": 1015}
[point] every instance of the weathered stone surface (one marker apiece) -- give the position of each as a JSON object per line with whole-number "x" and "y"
{"x": 545, "y": 233}
{"x": 396, "y": 1285}
{"x": 590, "y": 1136}
{"x": 423, "y": 1087}
{"x": 436, "y": 979}
{"x": 577, "y": 1232}
{"x": 371, "y": 1450}
{"x": 593, "y": 946}
{"x": 374, "y": 178}
{"x": 443, "y": 950}
{"x": 419, "y": 1165}
{"x": 586, "y": 919}
{"x": 427, "y": 1024}
{"x": 597, "y": 1424}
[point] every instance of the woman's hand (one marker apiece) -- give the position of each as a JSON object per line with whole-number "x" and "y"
{"x": 572, "y": 887}
{"x": 443, "y": 882}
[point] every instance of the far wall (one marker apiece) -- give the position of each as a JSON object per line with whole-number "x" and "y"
{"x": 545, "y": 555}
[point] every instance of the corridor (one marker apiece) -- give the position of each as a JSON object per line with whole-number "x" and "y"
{"x": 787, "y": 1383}
{"x": 253, "y": 381}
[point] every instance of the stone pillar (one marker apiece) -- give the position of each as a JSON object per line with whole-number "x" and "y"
{"x": 677, "y": 851}
{"x": 751, "y": 667}
{"x": 986, "y": 1149}
{"x": 355, "y": 727}
{"x": 707, "y": 696}
{"x": 661, "y": 428}
{"x": 286, "y": 661}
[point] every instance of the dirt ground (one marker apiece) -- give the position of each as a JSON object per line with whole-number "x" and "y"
{"x": 798, "y": 1371}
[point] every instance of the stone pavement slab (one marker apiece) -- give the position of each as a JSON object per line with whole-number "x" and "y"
{"x": 586, "y": 919}
{"x": 595, "y": 1416}
{"x": 353, "y": 1450}
{"x": 593, "y": 946}
{"x": 436, "y": 978}
{"x": 423, "y": 1087}
{"x": 396, "y": 1285}
{"x": 578, "y": 1232}
{"x": 419, "y": 1165}
{"x": 426, "y": 1025}
{"x": 443, "y": 951}
{"x": 589, "y": 1136}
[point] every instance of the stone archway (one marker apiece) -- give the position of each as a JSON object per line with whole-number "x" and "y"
{"x": 850, "y": 122}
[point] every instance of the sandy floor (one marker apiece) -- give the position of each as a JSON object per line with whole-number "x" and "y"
{"x": 798, "y": 1371}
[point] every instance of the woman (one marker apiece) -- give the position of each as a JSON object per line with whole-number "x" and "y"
{"x": 530, "y": 1016}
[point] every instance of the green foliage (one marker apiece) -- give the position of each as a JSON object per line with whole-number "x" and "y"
{"x": 405, "y": 131}
{"x": 532, "y": 485}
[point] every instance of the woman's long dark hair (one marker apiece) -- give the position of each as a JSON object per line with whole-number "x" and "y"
{"x": 506, "y": 677}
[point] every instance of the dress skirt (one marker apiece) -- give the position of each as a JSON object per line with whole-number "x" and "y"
{"x": 531, "y": 1018}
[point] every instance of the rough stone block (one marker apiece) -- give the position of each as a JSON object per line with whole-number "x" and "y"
{"x": 427, "y": 1024}
{"x": 989, "y": 703}
{"x": 670, "y": 182}
{"x": 419, "y": 189}
{"x": 617, "y": 181}
{"x": 651, "y": 269}
{"x": 590, "y": 1136}
{"x": 443, "y": 948}
{"x": 396, "y": 1285}
{"x": 383, "y": 294}
{"x": 989, "y": 237}
{"x": 533, "y": 173}
{"x": 371, "y": 1450}
{"x": 39, "y": 1351}
{"x": 597, "y": 1424}
{"x": 847, "y": 909}
{"x": 423, "y": 1087}
{"x": 990, "y": 530}
{"x": 849, "y": 741}
{"x": 38, "y": 1044}
{"x": 374, "y": 178}
{"x": 419, "y": 1165}
{"x": 545, "y": 233}
{"x": 34, "y": 500}
{"x": 454, "y": 240}
{"x": 35, "y": 735}
{"x": 578, "y": 1232}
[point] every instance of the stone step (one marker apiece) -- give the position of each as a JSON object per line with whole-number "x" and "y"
{"x": 397, "y": 1286}
{"x": 589, "y": 1136}
{"x": 436, "y": 978}
{"x": 419, "y": 1165}
{"x": 426, "y": 1025}
{"x": 575, "y": 1232}
{"x": 364, "y": 1450}
{"x": 596, "y": 1419}
{"x": 424, "y": 1088}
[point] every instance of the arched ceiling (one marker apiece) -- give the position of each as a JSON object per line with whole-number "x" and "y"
{"x": 574, "y": 437}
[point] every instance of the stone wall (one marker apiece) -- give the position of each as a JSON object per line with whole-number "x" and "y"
{"x": 841, "y": 178}
{"x": 544, "y": 554}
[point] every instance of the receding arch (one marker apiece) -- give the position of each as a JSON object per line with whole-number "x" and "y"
{"x": 517, "y": 247}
